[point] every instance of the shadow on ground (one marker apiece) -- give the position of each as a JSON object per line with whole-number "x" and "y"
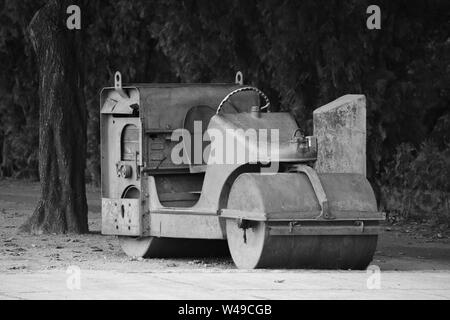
{"x": 397, "y": 249}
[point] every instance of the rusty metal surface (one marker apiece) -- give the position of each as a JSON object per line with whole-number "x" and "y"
{"x": 288, "y": 196}
{"x": 164, "y": 107}
{"x": 121, "y": 159}
{"x": 112, "y": 128}
{"x": 113, "y": 102}
{"x": 256, "y": 248}
{"x": 179, "y": 210}
{"x": 340, "y": 128}
{"x": 329, "y": 230}
{"x": 199, "y": 221}
{"x": 121, "y": 216}
{"x": 317, "y": 187}
{"x": 302, "y": 215}
{"x": 186, "y": 225}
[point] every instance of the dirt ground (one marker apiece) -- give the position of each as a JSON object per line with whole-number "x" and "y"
{"x": 401, "y": 248}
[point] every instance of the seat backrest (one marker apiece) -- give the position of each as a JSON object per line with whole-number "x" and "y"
{"x": 198, "y": 116}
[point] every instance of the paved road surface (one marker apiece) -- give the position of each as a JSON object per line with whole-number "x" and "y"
{"x": 35, "y": 267}
{"x": 193, "y": 285}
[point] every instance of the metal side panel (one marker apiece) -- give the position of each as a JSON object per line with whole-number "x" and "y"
{"x": 121, "y": 217}
{"x": 186, "y": 225}
{"x": 165, "y": 107}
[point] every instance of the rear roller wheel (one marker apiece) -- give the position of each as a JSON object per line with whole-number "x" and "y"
{"x": 135, "y": 247}
{"x": 255, "y": 248}
{"x": 151, "y": 247}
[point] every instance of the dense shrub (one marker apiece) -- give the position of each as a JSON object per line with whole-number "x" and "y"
{"x": 302, "y": 53}
{"x": 416, "y": 185}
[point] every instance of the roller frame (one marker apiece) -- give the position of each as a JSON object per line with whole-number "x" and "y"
{"x": 358, "y": 229}
{"x": 324, "y": 215}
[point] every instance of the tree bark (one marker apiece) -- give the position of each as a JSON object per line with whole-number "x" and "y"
{"x": 6, "y": 167}
{"x": 62, "y": 124}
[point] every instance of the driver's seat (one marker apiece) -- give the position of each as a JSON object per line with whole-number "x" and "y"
{"x": 202, "y": 114}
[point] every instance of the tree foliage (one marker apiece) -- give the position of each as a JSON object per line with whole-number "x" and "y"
{"x": 302, "y": 53}
{"x": 18, "y": 91}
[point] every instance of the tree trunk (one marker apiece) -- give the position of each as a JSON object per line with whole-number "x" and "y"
{"x": 6, "y": 167}
{"x": 62, "y": 126}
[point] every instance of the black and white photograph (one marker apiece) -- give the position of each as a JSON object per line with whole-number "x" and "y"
{"x": 192, "y": 151}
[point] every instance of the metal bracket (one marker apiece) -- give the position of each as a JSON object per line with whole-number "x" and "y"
{"x": 292, "y": 225}
{"x": 138, "y": 167}
{"x": 239, "y": 78}
{"x": 118, "y": 85}
{"x": 318, "y": 189}
{"x": 244, "y": 224}
{"x": 361, "y": 225}
{"x": 323, "y": 230}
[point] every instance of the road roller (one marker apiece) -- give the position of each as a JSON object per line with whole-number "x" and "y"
{"x": 209, "y": 170}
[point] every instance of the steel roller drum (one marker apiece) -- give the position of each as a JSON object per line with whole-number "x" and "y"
{"x": 151, "y": 247}
{"x": 274, "y": 201}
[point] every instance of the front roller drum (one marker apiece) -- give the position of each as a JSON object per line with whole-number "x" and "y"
{"x": 152, "y": 247}
{"x": 254, "y": 248}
